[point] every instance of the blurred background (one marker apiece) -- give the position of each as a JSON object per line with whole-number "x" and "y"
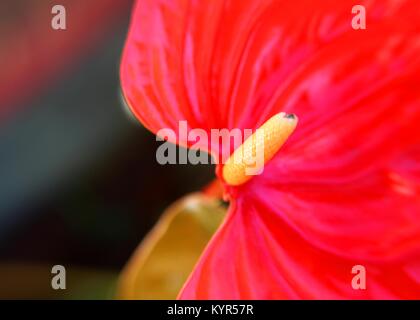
{"x": 79, "y": 183}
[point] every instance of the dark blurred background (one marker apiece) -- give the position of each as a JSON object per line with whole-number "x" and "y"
{"x": 79, "y": 183}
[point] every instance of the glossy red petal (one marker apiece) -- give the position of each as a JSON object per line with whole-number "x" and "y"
{"x": 344, "y": 190}
{"x": 232, "y": 64}
{"x": 350, "y": 174}
{"x": 257, "y": 255}
{"x": 373, "y": 217}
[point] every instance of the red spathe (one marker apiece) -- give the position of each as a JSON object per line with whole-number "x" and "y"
{"x": 345, "y": 189}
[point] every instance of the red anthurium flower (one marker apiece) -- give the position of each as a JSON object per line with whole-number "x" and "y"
{"x": 345, "y": 188}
